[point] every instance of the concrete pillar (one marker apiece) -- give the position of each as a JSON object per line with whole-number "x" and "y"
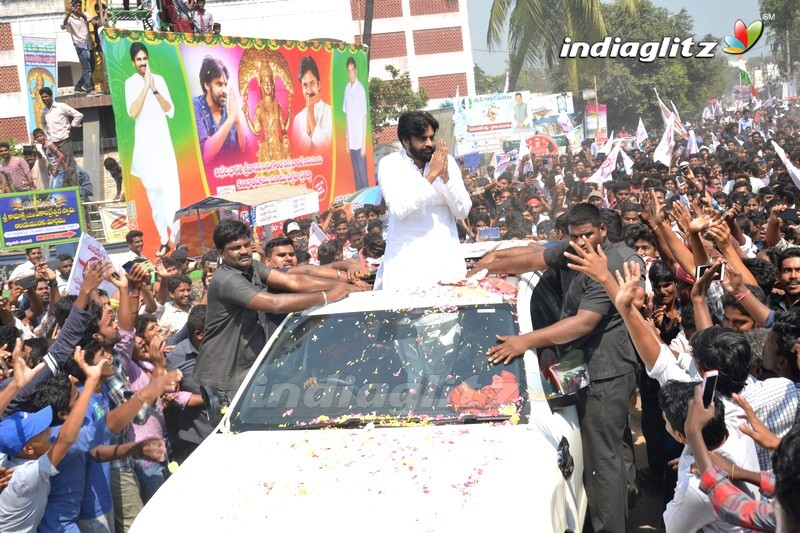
{"x": 92, "y": 154}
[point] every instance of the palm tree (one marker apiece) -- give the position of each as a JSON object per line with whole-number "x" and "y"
{"x": 536, "y": 31}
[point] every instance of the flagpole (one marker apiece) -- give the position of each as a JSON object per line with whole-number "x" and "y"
{"x": 596, "y": 110}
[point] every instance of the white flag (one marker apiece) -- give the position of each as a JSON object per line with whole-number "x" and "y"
{"x": 627, "y": 161}
{"x": 315, "y": 238}
{"x": 669, "y": 116}
{"x": 691, "y": 146}
{"x": 663, "y": 153}
{"x": 603, "y": 174}
{"x": 641, "y": 135}
{"x": 89, "y": 251}
{"x": 714, "y": 142}
{"x": 793, "y": 171}
{"x": 607, "y": 147}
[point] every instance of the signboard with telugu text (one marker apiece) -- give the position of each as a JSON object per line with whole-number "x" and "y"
{"x": 40, "y": 218}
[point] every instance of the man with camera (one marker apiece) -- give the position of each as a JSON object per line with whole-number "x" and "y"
{"x": 15, "y": 171}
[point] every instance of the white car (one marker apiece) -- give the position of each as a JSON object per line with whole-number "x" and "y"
{"x": 382, "y": 412}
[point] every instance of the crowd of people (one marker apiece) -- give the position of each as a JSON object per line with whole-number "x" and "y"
{"x": 103, "y": 389}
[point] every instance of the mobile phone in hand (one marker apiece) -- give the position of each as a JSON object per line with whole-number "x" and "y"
{"x": 701, "y": 269}
{"x": 709, "y": 386}
{"x": 489, "y": 233}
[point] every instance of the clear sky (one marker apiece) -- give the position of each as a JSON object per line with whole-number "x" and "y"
{"x": 710, "y": 16}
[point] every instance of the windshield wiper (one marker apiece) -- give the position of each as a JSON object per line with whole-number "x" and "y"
{"x": 471, "y": 419}
{"x": 357, "y": 422}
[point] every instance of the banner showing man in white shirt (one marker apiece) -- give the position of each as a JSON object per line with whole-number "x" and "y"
{"x": 424, "y": 195}
{"x": 355, "y": 106}
{"x": 313, "y": 125}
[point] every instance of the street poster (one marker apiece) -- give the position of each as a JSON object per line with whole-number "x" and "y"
{"x": 484, "y": 122}
{"x": 41, "y": 70}
{"x": 596, "y": 123}
{"x": 201, "y": 115}
{"x": 89, "y": 251}
{"x": 40, "y": 218}
{"x": 115, "y": 223}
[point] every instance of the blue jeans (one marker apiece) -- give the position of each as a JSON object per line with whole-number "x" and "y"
{"x": 359, "y": 169}
{"x": 151, "y": 476}
{"x": 85, "y": 57}
{"x": 57, "y": 181}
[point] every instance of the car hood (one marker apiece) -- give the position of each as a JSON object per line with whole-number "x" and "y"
{"x": 427, "y": 478}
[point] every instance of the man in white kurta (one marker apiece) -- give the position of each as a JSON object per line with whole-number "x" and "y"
{"x": 424, "y": 199}
{"x": 149, "y": 104}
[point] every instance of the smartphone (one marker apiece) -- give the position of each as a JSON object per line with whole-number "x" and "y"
{"x": 489, "y": 233}
{"x": 28, "y": 282}
{"x": 680, "y": 180}
{"x": 709, "y": 386}
{"x": 701, "y": 269}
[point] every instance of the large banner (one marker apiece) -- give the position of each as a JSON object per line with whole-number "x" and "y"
{"x": 483, "y": 122}
{"x": 40, "y": 218}
{"x": 40, "y": 71}
{"x": 199, "y": 115}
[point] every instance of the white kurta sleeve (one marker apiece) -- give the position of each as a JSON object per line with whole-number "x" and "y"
{"x": 454, "y": 192}
{"x": 163, "y": 90}
{"x": 404, "y": 192}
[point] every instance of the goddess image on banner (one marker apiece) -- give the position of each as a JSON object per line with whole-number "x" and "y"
{"x": 201, "y": 115}
{"x": 40, "y": 71}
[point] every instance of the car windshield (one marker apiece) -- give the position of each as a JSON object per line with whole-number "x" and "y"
{"x": 392, "y": 367}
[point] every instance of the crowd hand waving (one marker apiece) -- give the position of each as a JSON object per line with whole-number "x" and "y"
{"x": 733, "y": 212}
{"x": 16, "y": 292}
{"x": 703, "y": 222}
{"x": 156, "y": 350}
{"x": 161, "y": 270}
{"x": 23, "y": 374}
{"x": 438, "y": 166}
{"x": 733, "y": 282}
{"x": 721, "y": 233}
{"x": 592, "y": 263}
{"x": 166, "y": 382}
{"x": 681, "y": 216}
{"x": 118, "y": 279}
{"x": 44, "y": 273}
{"x": 756, "y": 428}
{"x": 94, "y": 373}
{"x": 654, "y": 210}
{"x": 137, "y": 276}
{"x": 628, "y": 282}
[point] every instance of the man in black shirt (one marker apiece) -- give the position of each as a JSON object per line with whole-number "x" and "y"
{"x": 591, "y": 323}
{"x": 236, "y": 323}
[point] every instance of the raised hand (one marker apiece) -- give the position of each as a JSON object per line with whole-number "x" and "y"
{"x": 592, "y": 263}
{"x": 438, "y": 164}
{"x": 43, "y": 273}
{"x": 701, "y": 285}
{"x": 756, "y": 428}
{"x": 22, "y": 373}
{"x": 92, "y": 276}
{"x": 628, "y": 282}
{"x": 94, "y": 373}
{"x": 733, "y": 282}
{"x": 153, "y": 449}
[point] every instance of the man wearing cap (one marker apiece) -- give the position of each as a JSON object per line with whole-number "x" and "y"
{"x": 535, "y": 207}
{"x": 25, "y": 441}
{"x": 596, "y": 198}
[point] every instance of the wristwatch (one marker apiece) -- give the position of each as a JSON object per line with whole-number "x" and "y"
{"x": 52, "y": 283}
{"x": 155, "y": 91}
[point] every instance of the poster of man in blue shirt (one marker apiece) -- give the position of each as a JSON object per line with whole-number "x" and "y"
{"x": 220, "y": 125}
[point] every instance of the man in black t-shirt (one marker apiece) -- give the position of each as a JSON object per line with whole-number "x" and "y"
{"x": 591, "y": 323}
